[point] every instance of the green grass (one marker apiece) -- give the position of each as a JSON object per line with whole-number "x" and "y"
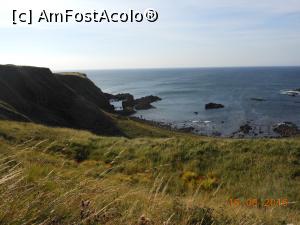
{"x": 82, "y": 75}
{"x": 151, "y": 176}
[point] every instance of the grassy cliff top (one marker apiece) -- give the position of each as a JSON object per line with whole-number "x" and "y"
{"x": 77, "y": 74}
{"x": 151, "y": 176}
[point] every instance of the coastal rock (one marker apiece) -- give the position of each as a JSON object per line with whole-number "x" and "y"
{"x": 130, "y": 104}
{"x": 216, "y": 134}
{"x": 143, "y": 106}
{"x": 127, "y": 111}
{"x": 145, "y": 102}
{"x": 186, "y": 129}
{"x": 286, "y": 129}
{"x": 213, "y": 106}
{"x": 119, "y": 97}
{"x": 109, "y": 97}
{"x": 245, "y": 129}
{"x": 258, "y": 99}
{"x": 124, "y": 97}
{"x": 127, "y": 102}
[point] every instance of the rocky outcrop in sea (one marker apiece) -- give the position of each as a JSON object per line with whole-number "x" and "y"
{"x": 130, "y": 105}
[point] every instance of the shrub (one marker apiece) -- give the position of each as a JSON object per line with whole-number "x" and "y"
{"x": 209, "y": 183}
{"x": 296, "y": 174}
{"x": 201, "y": 216}
{"x": 81, "y": 152}
{"x": 189, "y": 176}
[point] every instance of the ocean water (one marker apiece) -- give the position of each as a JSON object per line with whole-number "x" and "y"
{"x": 186, "y": 91}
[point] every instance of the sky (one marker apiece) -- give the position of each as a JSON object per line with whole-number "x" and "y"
{"x": 188, "y": 33}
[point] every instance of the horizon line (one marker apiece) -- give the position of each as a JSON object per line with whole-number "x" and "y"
{"x": 163, "y": 68}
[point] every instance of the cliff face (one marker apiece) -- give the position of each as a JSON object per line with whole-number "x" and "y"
{"x": 37, "y": 95}
{"x": 86, "y": 88}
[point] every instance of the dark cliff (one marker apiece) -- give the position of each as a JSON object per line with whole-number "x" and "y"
{"x": 66, "y": 100}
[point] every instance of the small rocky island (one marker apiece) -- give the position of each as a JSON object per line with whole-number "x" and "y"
{"x": 212, "y": 105}
{"x": 130, "y": 105}
{"x": 258, "y": 99}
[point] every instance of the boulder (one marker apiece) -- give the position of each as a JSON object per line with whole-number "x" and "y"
{"x": 213, "y": 106}
{"x": 186, "y": 129}
{"x": 245, "y": 128}
{"x": 258, "y": 99}
{"x": 286, "y": 129}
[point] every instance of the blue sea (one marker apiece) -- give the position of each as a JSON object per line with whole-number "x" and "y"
{"x": 185, "y": 92}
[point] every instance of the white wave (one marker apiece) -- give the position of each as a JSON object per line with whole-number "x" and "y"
{"x": 204, "y": 121}
{"x": 290, "y": 92}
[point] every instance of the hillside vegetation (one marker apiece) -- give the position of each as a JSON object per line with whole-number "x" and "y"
{"x": 122, "y": 171}
{"x": 37, "y": 95}
{"x": 148, "y": 176}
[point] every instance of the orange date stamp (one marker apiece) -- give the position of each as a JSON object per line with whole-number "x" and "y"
{"x": 258, "y": 203}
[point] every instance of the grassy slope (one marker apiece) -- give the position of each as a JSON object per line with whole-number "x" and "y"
{"x": 61, "y": 176}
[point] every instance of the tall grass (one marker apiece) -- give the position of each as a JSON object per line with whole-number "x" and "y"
{"x": 63, "y": 176}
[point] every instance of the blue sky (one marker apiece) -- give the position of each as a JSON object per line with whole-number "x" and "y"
{"x": 190, "y": 33}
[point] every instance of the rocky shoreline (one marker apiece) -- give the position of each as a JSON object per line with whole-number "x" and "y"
{"x": 280, "y": 130}
{"x": 130, "y": 106}
{"x": 247, "y": 130}
{"x": 72, "y": 100}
